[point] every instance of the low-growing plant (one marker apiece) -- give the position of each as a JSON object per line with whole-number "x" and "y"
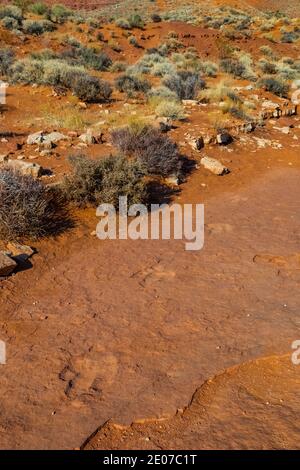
{"x": 6, "y": 60}
{"x": 10, "y": 23}
{"x": 170, "y": 109}
{"x": 104, "y": 180}
{"x": 185, "y": 84}
{"x": 131, "y": 84}
{"x": 91, "y": 89}
{"x": 155, "y": 150}
{"x": 277, "y": 86}
{"x": 11, "y": 11}
{"x": 118, "y": 66}
{"x": 59, "y": 13}
{"x": 28, "y": 208}
{"x": 38, "y": 28}
{"x": 39, "y": 8}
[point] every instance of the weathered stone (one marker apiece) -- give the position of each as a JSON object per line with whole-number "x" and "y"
{"x": 172, "y": 180}
{"x": 46, "y": 140}
{"x": 36, "y": 138}
{"x": 3, "y": 158}
{"x": 197, "y": 144}
{"x": 87, "y": 138}
{"x": 214, "y": 166}
{"x": 7, "y": 264}
{"x": 21, "y": 253}
{"x": 26, "y": 168}
{"x": 224, "y": 138}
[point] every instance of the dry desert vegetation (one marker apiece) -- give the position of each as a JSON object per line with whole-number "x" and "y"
{"x": 140, "y": 344}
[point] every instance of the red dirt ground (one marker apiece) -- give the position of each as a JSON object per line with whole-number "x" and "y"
{"x": 177, "y": 318}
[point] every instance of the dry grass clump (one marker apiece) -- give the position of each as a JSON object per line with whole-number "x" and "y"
{"x": 29, "y": 209}
{"x": 104, "y": 180}
{"x": 159, "y": 154}
{"x": 185, "y": 84}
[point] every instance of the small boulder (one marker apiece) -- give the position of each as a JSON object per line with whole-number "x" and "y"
{"x": 197, "y": 144}
{"x": 19, "y": 252}
{"x": 36, "y": 138}
{"x": 26, "y": 168}
{"x": 87, "y": 138}
{"x": 224, "y": 138}
{"x": 7, "y": 264}
{"x": 3, "y": 158}
{"x": 214, "y": 166}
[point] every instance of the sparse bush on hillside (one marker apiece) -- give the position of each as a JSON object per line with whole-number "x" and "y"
{"x": 11, "y": 11}
{"x": 91, "y": 89}
{"x": 28, "y": 208}
{"x": 289, "y": 37}
{"x": 10, "y": 23}
{"x": 233, "y": 66}
{"x": 274, "y": 85}
{"x": 170, "y": 109}
{"x": 39, "y": 8}
{"x": 267, "y": 51}
{"x": 162, "y": 92}
{"x": 58, "y": 73}
{"x": 134, "y": 21}
{"x": 6, "y": 60}
{"x": 268, "y": 68}
{"x": 131, "y": 84}
{"x": 104, "y": 180}
{"x": 86, "y": 56}
{"x": 37, "y": 27}
{"x": 59, "y": 13}
{"x": 185, "y": 84}
{"x": 155, "y": 150}
{"x": 118, "y": 66}
{"x": 123, "y": 23}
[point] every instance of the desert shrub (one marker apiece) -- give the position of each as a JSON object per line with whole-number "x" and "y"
{"x": 39, "y": 8}
{"x": 11, "y": 11}
{"x": 10, "y": 23}
{"x": 162, "y": 92}
{"x": 44, "y": 54}
{"x": 267, "y": 51}
{"x": 163, "y": 69}
{"x": 91, "y": 89}
{"x": 233, "y": 66}
{"x": 268, "y": 68}
{"x": 123, "y": 23}
{"x": 104, "y": 180}
{"x": 27, "y": 71}
{"x": 289, "y": 37}
{"x": 6, "y": 60}
{"x": 155, "y": 150}
{"x": 37, "y": 27}
{"x": 170, "y": 109}
{"x": 118, "y": 66}
{"x": 277, "y": 86}
{"x": 185, "y": 84}
{"x": 59, "y": 13}
{"x": 208, "y": 68}
{"x": 131, "y": 84}
{"x": 28, "y": 208}
{"x": 136, "y": 21}
{"x": 156, "y": 18}
{"x": 87, "y": 56}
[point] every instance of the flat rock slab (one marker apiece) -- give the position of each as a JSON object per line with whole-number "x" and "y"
{"x": 7, "y": 265}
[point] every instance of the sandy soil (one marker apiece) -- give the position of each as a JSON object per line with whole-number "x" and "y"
{"x": 226, "y": 412}
{"x": 130, "y": 329}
